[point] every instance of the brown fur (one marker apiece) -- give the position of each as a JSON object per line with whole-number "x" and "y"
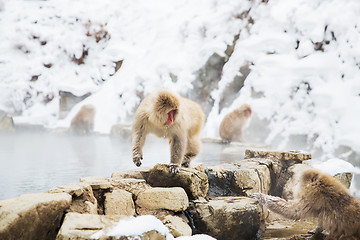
{"x": 83, "y": 121}
{"x": 232, "y": 125}
{"x": 183, "y": 133}
{"x": 320, "y": 196}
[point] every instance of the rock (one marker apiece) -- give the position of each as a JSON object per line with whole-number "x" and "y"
{"x": 6, "y": 122}
{"x": 83, "y": 200}
{"x": 68, "y": 100}
{"x": 291, "y": 177}
{"x": 296, "y": 156}
{"x": 228, "y": 217}
{"x": 345, "y": 178}
{"x": 195, "y": 183}
{"x": 238, "y": 179}
{"x": 139, "y": 173}
{"x": 33, "y": 216}
{"x": 89, "y": 226}
{"x": 174, "y": 199}
{"x": 177, "y": 226}
{"x": 135, "y": 186}
{"x": 100, "y": 187}
{"x": 122, "y": 130}
{"x": 119, "y": 202}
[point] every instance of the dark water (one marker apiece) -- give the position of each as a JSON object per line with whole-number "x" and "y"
{"x": 37, "y": 162}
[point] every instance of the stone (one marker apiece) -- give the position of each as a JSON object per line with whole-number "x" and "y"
{"x": 177, "y": 226}
{"x": 238, "y": 179}
{"x": 83, "y": 199}
{"x": 67, "y": 101}
{"x": 297, "y": 156}
{"x": 119, "y": 202}
{"x": 33, "y": 216}
{"x": 291, "y": 177}
{"x": 6, "y": 122}
{"x": 88, "y": 226}
{"x": 228, "y": 217}
{"x": 122, "y": 130}
{"x": 135, "y": 186}
{"x": 345, "y": 178}
{"x": 194, "y": 182}
{"x": 138, "y": 173}
{"x": 173, "y": 198}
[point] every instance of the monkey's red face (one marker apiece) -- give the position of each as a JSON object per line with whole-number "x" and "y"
{"x": 170, "y": 119}
{"x": 247, "y": 112}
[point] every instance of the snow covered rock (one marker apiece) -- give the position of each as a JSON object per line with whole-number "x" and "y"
{"x": 83, "y": 200}
{"x": 194, "y": 182}
{"x": 173, "y": 198}
{"x": 119, "y": 202}
{"x": 33, "y": 216}
{"x": 177, "y": 226}
{"x": 228, "y": 217}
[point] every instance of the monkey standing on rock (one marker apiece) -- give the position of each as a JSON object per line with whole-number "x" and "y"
{"x": 170, "y": 116}
{"x": 320, "y": 196}
{"x": 232, "y": 125}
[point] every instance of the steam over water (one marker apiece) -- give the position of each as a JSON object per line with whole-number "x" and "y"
{"x": 36, "y": 162}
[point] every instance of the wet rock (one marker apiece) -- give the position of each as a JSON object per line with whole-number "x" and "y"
{"x": 33, "y": 216}
{"x": 83, "y": 200}
{"x": 345, "y": 178}
{"x": 122, "y": 130}
{"x": 194, "y": 182}
{"x": 296, "y": 156}
{"x": 174, "y": 199}
{"x": 138, "y": 173}
{"x": 228, "y": 217}
{"x": 135, "y": 186}
{"x": 238, "y": 179}
{"x": 119, "y": 202}
{"x": 84, "y": 226}
{"x": 177, "y": 226}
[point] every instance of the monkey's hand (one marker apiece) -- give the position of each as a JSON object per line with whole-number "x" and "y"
{"x": 174, "y": 168}
{"x": 260, "y": 197}
{"x": 137, "y": 159}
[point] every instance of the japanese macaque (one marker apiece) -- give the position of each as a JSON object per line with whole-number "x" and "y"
{"x": 232, "y": 125}
{"x": 170, "y": 116}
{"x": 320, "y": 196}
{"x": 83, "y": 121}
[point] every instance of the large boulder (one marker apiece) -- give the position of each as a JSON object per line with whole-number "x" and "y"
{"x": 138, "y": 173}
{"x": 108, "y": 227}
{"x": 227, "y": 218}
{"x": 291, "y": 178}
{"x": 194, "y": 182}
{"x": 83, "y": 200}
{"x": 177, "y": 226}
{"x": 119, "y": 202}
{"x": 33, "y": 216}
{"x": 174, "y": 199}
{"x": 135, "y": 186}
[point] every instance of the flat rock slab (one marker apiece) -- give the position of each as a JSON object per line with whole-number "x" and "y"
{"x": 229, "y": 218}
{"x": 33, "y": 216}
{"x": 284, "y": 156}
{"x": 106, "y": 227}
{"x": 194, "y": 182}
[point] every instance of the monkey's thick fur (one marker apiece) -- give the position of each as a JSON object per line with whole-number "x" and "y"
{"x": 83, "y": 121}
{"x": 182, "y": 130}
{"x": 232, "y": 125}
{"x": 320, "y": 196}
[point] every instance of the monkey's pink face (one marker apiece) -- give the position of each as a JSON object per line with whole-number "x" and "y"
{"x": 170, "y": 119}
{"x": 247, "y": 112}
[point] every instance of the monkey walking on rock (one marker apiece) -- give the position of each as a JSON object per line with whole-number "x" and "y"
{"x": 170, "y": 116}
{"x": 321, "y": 196}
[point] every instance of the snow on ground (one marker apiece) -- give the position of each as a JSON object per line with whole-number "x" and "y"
{"x": 304, "y": 56}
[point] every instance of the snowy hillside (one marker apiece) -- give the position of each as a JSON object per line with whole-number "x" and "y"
{"x": 303, "y": 60}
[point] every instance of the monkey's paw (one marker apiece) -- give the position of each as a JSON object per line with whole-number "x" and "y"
{"x": 137, "y": 161}
{"x": 260, "y": 197}
{"x": 174, "y": 168}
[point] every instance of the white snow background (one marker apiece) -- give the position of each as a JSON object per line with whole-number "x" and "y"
{"x": 304, "y": 98}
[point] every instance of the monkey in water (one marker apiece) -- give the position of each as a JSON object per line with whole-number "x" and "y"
{"x": 170, "y": 116}
{"x": 321, "y": 196}
{"x": 232, "y": 125}
{"x": 83, "y": 121}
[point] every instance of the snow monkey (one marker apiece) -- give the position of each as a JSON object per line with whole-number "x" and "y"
{"x": 83, "y": 121}
{"x": 170, "y": 116}
{"x": 232, "y": 125}
{"x": 321, "y": 196}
